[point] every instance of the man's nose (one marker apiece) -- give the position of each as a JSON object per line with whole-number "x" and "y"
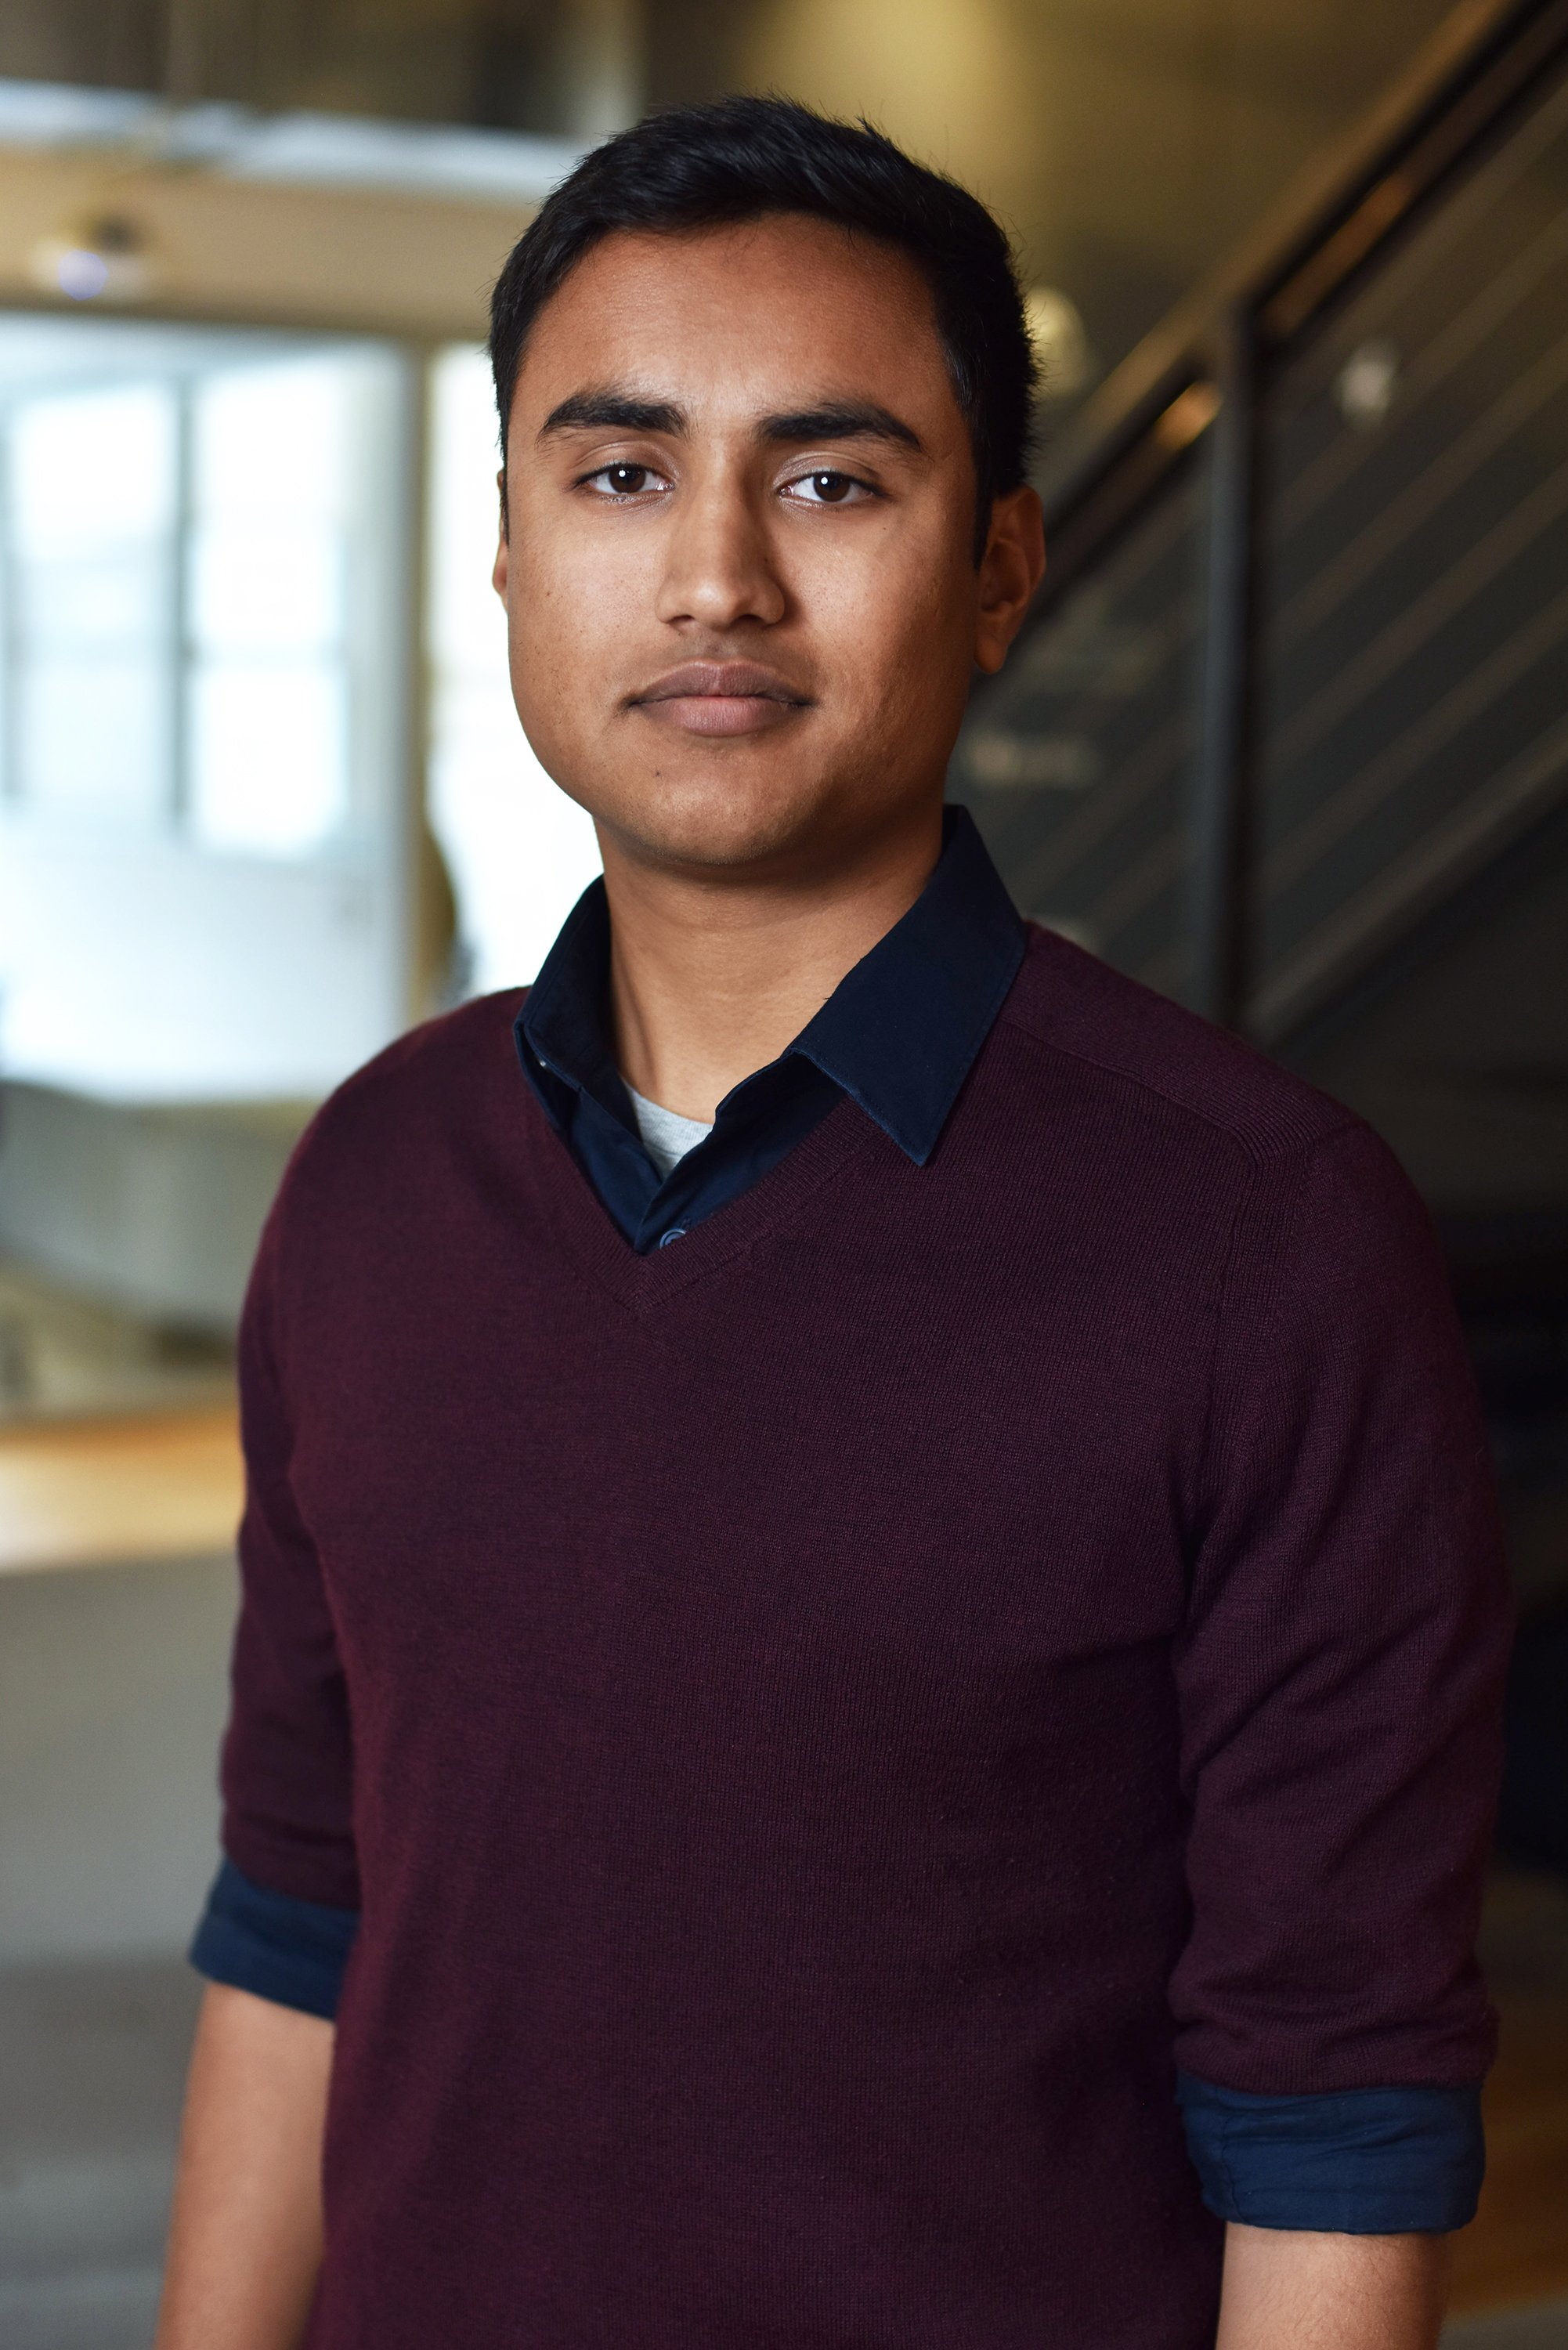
{"x": 721, "y": 566}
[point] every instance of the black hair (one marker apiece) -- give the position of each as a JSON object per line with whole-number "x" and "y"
{"x": 697, "y": 167}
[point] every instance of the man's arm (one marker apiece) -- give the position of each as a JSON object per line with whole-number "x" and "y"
{"x": 1340, "y": 1672}
{"x": 1286, "y": 2290}
{"x": 245, "y": 2238}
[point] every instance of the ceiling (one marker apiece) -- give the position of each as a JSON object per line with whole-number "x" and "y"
{"x": 1126, "y": 143}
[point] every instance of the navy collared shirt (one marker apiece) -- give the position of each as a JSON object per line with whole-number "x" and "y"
{"x": 898, "y": 1034}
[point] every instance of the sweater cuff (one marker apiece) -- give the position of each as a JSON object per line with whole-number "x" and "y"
{"x": 1354, "y": 2162}
{"x": 293, "y": 1952}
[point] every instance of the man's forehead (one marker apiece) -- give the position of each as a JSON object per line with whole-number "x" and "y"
{"x": 767, "y": 252}
{"x": 759, "y": 315}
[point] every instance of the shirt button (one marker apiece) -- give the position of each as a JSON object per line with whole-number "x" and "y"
{"x": 676, "y": 1232}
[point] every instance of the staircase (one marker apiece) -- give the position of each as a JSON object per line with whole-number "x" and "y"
{"x": 1287, "y": 734}
{"x": 1298, "y": 678}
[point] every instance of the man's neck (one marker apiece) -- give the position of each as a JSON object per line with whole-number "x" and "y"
{"x": 712, "y": 977}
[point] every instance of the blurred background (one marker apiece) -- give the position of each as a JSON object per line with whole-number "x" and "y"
{"x": 1287, "y": 737}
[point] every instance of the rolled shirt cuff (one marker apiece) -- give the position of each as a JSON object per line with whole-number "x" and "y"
{"x": 293, "y": 1952}
{"x": 1354, "y": 2162}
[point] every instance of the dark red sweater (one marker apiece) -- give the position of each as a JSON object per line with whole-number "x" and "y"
{"x": 822, "y": 1720}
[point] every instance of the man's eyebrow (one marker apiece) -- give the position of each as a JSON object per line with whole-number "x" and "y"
{"x": 614, "y": 411}
{"x": 853, "y": 419}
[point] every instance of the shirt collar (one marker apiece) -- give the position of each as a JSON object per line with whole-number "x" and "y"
{"x": 899, "y": 1033}
{"x": 561, "y": 1032}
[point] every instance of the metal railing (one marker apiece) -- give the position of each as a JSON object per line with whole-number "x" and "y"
{"x": 1299, "y": 670}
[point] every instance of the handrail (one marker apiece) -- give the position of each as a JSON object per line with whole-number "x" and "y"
{"x": 1206, "y": 368}
{"x": 1495, "y": 49}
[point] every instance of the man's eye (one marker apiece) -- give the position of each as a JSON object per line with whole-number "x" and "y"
{"x": 623, "y": 481}
{"x": 827, "y": 488}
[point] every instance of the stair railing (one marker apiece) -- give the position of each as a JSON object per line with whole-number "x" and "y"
{"x": 1181, "y": 444}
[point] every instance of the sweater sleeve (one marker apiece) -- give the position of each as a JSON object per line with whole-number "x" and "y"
{"x": 287, "y": 1763}
{"x": 1341, "y": 1664}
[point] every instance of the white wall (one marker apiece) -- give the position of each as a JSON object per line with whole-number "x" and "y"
{"x": 519, "y": 851}
{"x": 148, "y": 970}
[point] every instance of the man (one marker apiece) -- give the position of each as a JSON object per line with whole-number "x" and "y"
{"x": 871, "y": 1631}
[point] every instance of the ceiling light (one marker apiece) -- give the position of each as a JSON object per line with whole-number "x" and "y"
{"x": 1365, "y": 385}
{"x": 104, "y": 258}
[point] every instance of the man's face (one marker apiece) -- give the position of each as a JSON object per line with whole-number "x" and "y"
{"x": 739, "y": 563}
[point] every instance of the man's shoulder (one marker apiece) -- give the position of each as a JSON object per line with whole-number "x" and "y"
{"x": 1121, "y": 1034}
{"x": 455, "y": 1071}
{"x": 441, "y": 1058}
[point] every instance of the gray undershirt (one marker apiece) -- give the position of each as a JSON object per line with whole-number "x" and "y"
{"x": 666, "y": 1135}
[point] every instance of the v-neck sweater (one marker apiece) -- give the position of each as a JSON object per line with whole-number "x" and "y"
{"x": 822, "y": 1722}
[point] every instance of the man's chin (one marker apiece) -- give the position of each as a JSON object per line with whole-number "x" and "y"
{"x": 717, "y": 830}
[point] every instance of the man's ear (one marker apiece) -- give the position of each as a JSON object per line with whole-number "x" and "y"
{"x": 503, "y": 550}
{"x": 1010, "y": 569}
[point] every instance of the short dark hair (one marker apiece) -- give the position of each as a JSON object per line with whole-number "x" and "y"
{"x": 697, "y": 167}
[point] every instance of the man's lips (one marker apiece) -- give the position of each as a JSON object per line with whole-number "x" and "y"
{"x": 719, "y": 698}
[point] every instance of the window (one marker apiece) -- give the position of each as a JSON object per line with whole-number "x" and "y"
{"x": 207, "y": 604}
{"x": 266, "y": 598}
{"x": 92, "y": 498}
{"x": 181, "y": 653}
{"x": 205, "y": 600}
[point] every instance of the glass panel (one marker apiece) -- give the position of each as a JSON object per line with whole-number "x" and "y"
{"x": 278, "y": 588}
{"x": 1416, "y": 614}
{"x": 92, "y": 736}
{"x": 268, "y": 739}
{"x": 93, "y": 480}
{"x": 103, "y": 601}
{"x": 92, "y": 469}
{"x": 273, "y": 440}
{"x": 1077, "y": 760}
{"x": 268, "y": 756}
